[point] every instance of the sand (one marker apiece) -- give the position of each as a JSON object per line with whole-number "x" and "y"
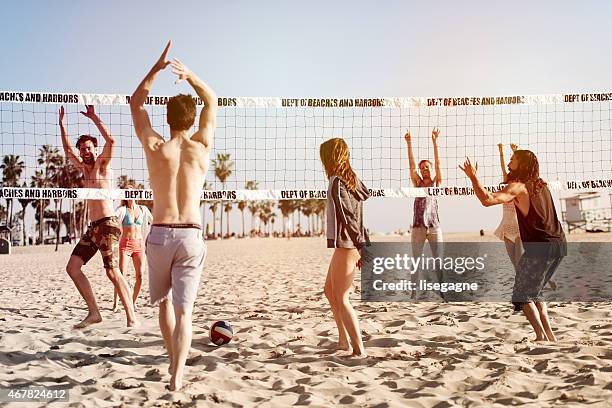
{"x": 270, "y": 290}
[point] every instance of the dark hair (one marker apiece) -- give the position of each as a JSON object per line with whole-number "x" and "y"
{"x": 85, "y": 138}
{"x": 528, "y": 169}
{"x": 424, "y": 161}
{"x": 181, "y": 112}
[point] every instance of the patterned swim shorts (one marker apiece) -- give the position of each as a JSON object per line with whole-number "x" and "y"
{"x": 532, "y": 274}
{"x": 102, "y": 235}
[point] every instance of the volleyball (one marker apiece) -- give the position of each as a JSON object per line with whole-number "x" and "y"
{"x": 221, "y": 332}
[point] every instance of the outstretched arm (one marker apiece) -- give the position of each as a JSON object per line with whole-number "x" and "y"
{"x": 434, "y": 139}
{"x": 109, "y": 141}
{"x": 208, "y": 116}
{"x": 502, "y": 162}
{"x": 509, "y": 193}
{"x": 140, "y": 117}
{"x": 414, "y": 176}
{"x": 68, "y": 149}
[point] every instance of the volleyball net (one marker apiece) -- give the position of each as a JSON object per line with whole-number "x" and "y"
{"x": 271, "y": 145}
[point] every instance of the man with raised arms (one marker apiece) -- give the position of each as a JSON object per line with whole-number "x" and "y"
{"x": 175, "y": 247}
{"x": 540, "y": 230}
{"x": 104, "y": 231}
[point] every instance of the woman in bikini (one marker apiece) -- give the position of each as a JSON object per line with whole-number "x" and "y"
{"x": 133, "y": 218}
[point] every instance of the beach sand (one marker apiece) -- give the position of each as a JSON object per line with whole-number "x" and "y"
{"x": 270, "y": 290}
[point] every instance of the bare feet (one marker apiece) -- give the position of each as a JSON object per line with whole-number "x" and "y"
{"x": 341, "y": 346}
{"x": 551, "y": 336}
{"x": 132, "y": 323}
{"x": 175, "y": 384}
{"x": 359, "y": 354}
{"x": 91, "y": 318}
{"x": 115, "y": 308}
{"x": 170, "y": 367}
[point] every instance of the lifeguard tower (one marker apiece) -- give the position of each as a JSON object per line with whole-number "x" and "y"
{"x": 588, "y": 212}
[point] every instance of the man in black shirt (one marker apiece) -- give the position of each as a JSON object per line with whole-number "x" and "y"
{"x": 540, "y": 230}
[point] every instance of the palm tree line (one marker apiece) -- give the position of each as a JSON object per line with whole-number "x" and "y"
{"x": 263, "y": 213}
{"x": 56, "y": 172}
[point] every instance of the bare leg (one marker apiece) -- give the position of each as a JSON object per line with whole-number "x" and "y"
{"x": 138, "y": 260}
{"x": 543, "y": 311}
{"x": 514, "y": 250}
{"x": 166, "y": 325}
{"x": 417, "y": 241}
{"x": 122, "y": 270}
{"x": 122, "y": 287}
{"x": 84, "y": 287}
{"x": 343, "y": 343}
{"x": 436, "y": 243}
{"x": 181, "y": 342}
{"x": 533, "y": 315}
{"x": 342, "y": 272}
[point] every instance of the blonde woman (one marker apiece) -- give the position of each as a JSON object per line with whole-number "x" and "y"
{"x": 132, "y": 218}
{"x": 346, "y": 234}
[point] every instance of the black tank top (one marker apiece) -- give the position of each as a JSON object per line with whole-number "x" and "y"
{"x": 541, "y": 231}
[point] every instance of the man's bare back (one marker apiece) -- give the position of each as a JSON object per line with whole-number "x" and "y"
{"x": 177, "y": 169}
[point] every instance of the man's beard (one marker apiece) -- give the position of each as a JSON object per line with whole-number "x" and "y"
{"x": 89, "y": 160}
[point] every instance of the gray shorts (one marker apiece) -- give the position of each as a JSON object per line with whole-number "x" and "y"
{"x": 532, "y": 274}
{"x": 175, "y": 257}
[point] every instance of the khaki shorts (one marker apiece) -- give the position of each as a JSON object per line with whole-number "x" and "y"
{"x": 175, "y": 257}
{"x": 102, "y": 235}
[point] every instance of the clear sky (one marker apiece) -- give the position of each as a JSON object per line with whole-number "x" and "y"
{"x": 318, "y": 49}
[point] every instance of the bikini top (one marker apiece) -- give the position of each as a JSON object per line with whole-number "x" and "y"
{"x": 128, "y": 222}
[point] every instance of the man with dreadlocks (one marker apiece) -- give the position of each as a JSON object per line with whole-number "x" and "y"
{"x": 540, "y": 230}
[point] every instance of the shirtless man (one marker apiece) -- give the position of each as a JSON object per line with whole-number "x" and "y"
{"x": 104, "y": 231}
{"x": 175, "y": 247}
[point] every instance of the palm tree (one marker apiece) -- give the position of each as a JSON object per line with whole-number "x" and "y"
{"x": 79, "y": 216}
{"x": 223, "y": 170}
{"x": 24, "y": 204}
{"x": 266, "y": 213}
{"x": 12, "y": 167}
{"x": 320, "y": 210}
{"x": 252, "y": 205}
{"x": 307, "y": 210}
{"x": 227, "y": 208}
{"x": 50, "y": 157}
{"x": 66, "y": 175}
{"x": 39, "y": 181}
{"x": 296, "y": 205}
{"x": 285, "y": 207}
{"x": 241, "y": 206}
{"x": 213, "y": 208}
{"x": 205, "y": 187}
